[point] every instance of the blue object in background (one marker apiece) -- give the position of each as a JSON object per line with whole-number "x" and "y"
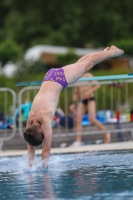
{"x": 23, "y": 111}
{"x": 5, "y": 125}
{"x": 85, "y": 120}
{"x": 24, "y": 108}
{"x": 101, "y": 115}
{"x": 4, "y": 121}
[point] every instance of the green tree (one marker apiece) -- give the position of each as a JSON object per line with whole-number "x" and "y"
{"x": 67, "y": 23}
{"x": 126, "y": 44}
{"x": 9, "y": 51}
{"x": 68, "y": 58}
{"x": 25, "y": 67}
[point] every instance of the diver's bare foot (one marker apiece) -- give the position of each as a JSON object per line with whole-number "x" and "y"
{"x": 107, "y": 49}
{"x": 116, "y": 52}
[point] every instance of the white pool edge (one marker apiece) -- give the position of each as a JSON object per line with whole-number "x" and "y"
{"x": 89, "y": 148}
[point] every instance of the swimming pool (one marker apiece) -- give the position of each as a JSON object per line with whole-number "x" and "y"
{"x": 91, "y": 175}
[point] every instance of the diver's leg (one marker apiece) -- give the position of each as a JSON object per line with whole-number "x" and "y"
{"x": 74, "y": 71}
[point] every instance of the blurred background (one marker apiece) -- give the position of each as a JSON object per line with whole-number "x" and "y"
{"x": 38, "y": 35}
{"x": 38, "y": 25}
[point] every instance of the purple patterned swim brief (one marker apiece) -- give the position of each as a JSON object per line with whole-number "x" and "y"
{"x": 57, "y": 75}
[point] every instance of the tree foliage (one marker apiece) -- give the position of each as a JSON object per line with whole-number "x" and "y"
{"x": 127, "y": 45}
{"x": 24, "y": 68}
{"x": 69, "y": 58}
{"x": 9, "y": 51}
{"x": 67, "y": 23}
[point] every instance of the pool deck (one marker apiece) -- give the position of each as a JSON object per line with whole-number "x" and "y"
{"x": 89, "y": 148}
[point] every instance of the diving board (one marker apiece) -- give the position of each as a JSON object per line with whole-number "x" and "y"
{"x": 98, "y": 78}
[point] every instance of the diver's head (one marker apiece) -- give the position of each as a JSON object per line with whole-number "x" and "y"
{"x": 33, "y": 135}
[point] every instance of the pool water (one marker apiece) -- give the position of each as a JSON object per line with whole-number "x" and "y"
{"x": 92, "y": 175}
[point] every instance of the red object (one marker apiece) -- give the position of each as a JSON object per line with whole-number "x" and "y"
{"x": 118, "y": 114}
{"x": 131, "y": 117}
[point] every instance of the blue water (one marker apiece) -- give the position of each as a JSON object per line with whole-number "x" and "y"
{"x": 92, "y": 175}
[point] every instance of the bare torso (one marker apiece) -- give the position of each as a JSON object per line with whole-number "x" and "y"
{"x": 85, "y": 91}
{"x": 45, "y": 103}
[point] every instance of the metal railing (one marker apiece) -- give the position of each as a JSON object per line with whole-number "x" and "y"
{"x": 107, "y": 98}
{"x": 25, "y": 96}
{"x": 7, "y": 113}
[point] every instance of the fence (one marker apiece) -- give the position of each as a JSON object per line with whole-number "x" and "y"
{"x": 7, "y": 108}
{"x": 109, "y": 100}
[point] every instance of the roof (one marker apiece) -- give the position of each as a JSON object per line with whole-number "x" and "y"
{"x": 35, "y": 52}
